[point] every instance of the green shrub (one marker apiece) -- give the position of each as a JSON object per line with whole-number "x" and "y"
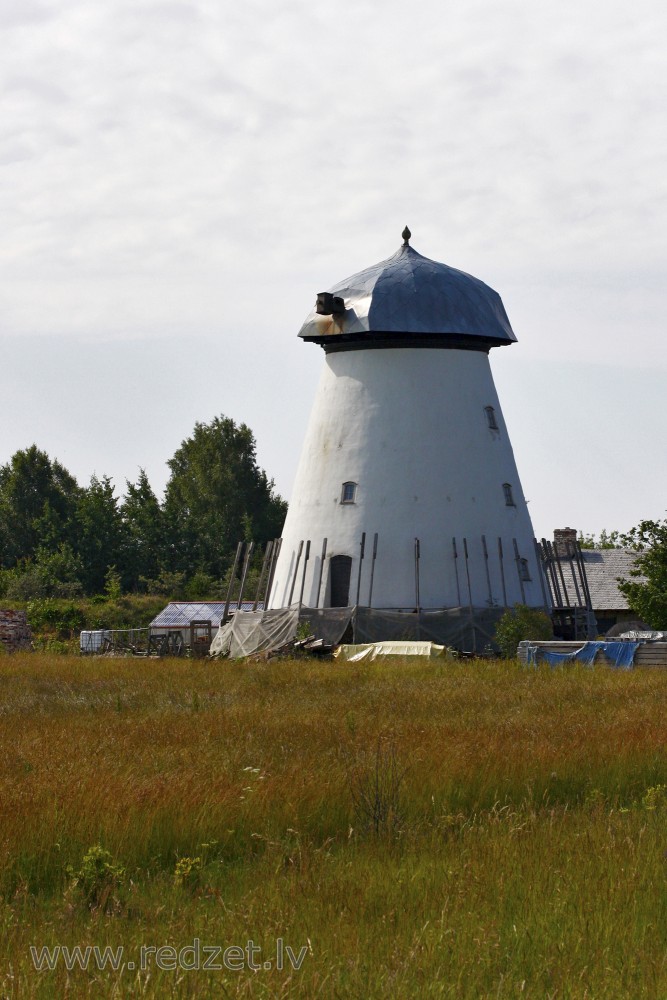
{"x": 50, "y": 614}
{"x": 112, "y": 584}
{"x": 655, "y": 798}
{"x": 188, "y": 872}
{"x": 519, "y": 623}
{"x": 49, "y": 574}
{"x": 202, "y": 587}
{"x": 97, "y": 880}
{"x": 25, "y": 582}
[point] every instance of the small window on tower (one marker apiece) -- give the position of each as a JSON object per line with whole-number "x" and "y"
{"x": 349, "y": 493}
{"x": 524, "y": 570}
{"x": 509, "y": 499}
{"x": 491, "y": 418}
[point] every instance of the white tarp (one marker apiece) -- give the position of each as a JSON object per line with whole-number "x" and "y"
{"x": 251, "y": 632}
{"x": 377, "y": 650}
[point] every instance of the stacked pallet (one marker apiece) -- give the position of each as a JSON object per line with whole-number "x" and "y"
{"x": 15, "y": 632}
{"x": 649, "y": 653}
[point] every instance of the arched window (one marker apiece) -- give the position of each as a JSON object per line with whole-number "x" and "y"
{"x": 348, "y": 493}
{"x": 509, "y": 499}
{"x": 491, "y": 418}
{"x": 524, "y": 570}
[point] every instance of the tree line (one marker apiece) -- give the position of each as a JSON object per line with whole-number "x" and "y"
{"x": 58, "y": 538}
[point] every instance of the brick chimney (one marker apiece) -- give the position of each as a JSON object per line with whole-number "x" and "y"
{"x": 564, "y": 537}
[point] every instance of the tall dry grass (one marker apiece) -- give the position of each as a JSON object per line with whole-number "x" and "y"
{"x": 528, "y": 860}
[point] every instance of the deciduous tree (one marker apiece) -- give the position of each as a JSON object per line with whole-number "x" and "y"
{"x": 38, "y": 499}
{"x": 648, "y": 597}
{"x": 216, "y": 496}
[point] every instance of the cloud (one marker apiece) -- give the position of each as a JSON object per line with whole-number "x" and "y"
{"x": 198, "y": 168}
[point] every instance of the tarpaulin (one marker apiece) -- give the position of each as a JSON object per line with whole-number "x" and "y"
{"x": 377, "y": 650}
{"x": 251, "y": 632}
{"x": 619, "y": 654}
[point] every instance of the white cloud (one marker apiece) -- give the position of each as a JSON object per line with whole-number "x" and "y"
{"x": 201, "y": 169}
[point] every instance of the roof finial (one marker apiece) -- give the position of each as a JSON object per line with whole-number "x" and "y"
{"x": 406, "y": 234}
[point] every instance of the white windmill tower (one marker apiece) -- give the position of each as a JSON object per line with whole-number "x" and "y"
{"x": 407, "y": 494}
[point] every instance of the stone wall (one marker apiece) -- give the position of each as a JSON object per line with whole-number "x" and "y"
{"x": 15, "y": 632}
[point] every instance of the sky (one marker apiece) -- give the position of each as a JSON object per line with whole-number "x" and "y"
{"x": 179, "y": 178}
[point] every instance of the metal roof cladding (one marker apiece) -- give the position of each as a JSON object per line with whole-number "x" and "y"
{"x": 409, "y": 300}
{"x": 179, "y": 615}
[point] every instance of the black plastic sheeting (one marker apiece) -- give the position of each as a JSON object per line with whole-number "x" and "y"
{"x": 328, "y": 624}
{"x": 464, "y": 629}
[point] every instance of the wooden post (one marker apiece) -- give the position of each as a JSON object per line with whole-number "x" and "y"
{"x": 580, "y": 597}
{"x": 272, "y": 570}
{"x": 246, "y": 564}
{"x": 417, "y": 555}
{"x": 502, "y": 570}
{"x": 375, "y": 552}
{"x": 582, "y": 575}
{"x": 303, "y": 577}
{"x": 540, "y": 570}
{"x": 486, "y": 566}
{"x": 265, "y": 563}
{"x": 417, "y": 596}
{"x": 559, "y": 566}
{"x": 362, "y": 549}
{"x": 225, "y": 613}
{"x": 319, "y": 582}
{"x": 296, "y": 571}
{"x": 553, "y": 578}
{"x": 456, "y": 572}
{"x": 472, "y": 614}
{"x": 517, "y": 559}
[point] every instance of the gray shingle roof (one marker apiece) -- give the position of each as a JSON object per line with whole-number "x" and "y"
{"x": 603, "y": 567}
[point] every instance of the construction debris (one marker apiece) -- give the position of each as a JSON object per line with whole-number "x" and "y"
{"x": 310, "y": 646}
{"x": 15, "y": 633}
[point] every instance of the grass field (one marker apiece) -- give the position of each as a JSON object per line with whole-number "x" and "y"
{"x": 472, "y": 829}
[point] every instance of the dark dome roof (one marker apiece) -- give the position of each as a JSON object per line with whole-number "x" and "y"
{"x": 409, "y": 296}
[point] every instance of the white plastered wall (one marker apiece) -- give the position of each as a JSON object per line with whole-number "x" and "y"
{"x": 409, "y": 427}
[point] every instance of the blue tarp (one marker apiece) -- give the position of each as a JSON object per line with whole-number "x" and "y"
{"x": 619, "y": 654}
